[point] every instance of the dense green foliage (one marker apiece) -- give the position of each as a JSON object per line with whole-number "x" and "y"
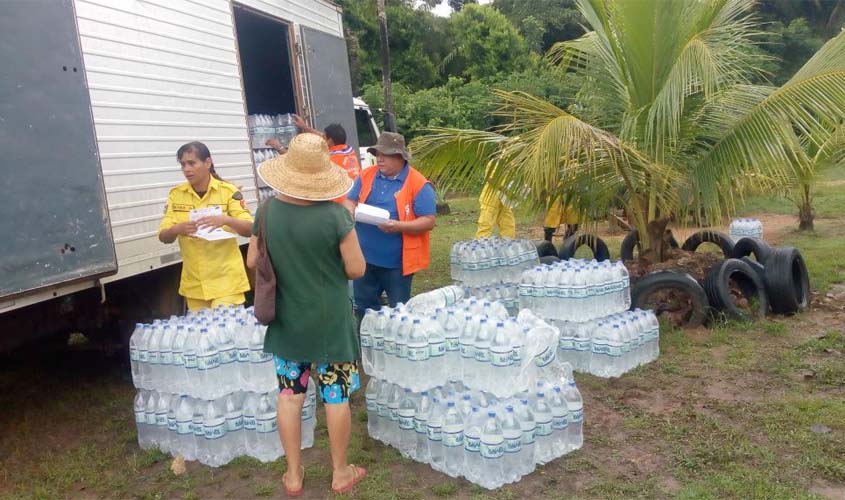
{"x": 444, "y": 68}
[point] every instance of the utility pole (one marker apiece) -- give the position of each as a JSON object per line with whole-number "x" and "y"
{"x": 389, "y": 117}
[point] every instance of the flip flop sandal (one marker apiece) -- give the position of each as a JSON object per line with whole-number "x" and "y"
{"x": 294, "y": 493}
{"x": 360, "y": 473}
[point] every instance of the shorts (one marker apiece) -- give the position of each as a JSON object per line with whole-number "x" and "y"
{"x": 229, "y": 300}
{"x": 335, "y": 381}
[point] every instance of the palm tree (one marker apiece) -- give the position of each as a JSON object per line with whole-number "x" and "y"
{"x": 668, "y": 120}
{"x": 811, "y": 158}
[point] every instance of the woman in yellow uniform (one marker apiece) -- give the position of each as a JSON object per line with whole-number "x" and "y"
{"x": 213, "y": 272}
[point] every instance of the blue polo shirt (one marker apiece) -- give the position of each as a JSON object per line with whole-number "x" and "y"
{"x": 382, "y": 249}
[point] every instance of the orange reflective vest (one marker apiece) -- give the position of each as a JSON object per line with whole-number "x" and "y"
{"x": 344, "y": 157}
{"x": 416, "y": 248}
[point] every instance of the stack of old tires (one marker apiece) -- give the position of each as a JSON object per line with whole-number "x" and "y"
{"x": 549, "y": 253}
{"x": 775, "y": 280}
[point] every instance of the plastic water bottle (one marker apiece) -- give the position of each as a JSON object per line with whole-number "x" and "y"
{"x": 185, "y": 444}
{"x": 215, "y": 452}
{"x": 139, "y": 407}
{"x": 383, "y": 427}
{"x": 467, "y": 350}
{"x": 367, "y": 328}
{"x": 514, "y": 457}
{"x": 436, "y": 353}
{"x": 378, "y": 345}
{"x": 242, "y": 339}
{"x": 544, "y": 444}
{"x": 229, "y": 370}
{"x": 179, "y": 383}
{"x": 453, "y": 440}
{"x": 198, "y": 428}
{"x": 435, "y": 435}
{"x": 154, "y": 382}
{"x": 423, "y": 409}
{"x": 269, "y": 443}
{"x": 309, "y": 416}
{"x": 371, "y": 395}
{"x": 452, "y": 329}
{"x": 407, "y": 434}
{"x": 390, "y": 346}
{"x": 482, "y": 369}
{"x": 208, "y": 366}
{"x": 262, "y": 365}
{"x": 575, "y": 404}
{"x": 472, "y": 445}
{"x": 560, "y": 422}
{"x": 135, "y": 355}
{"x": 162, "y": 408}
{"x": 236, "y": 441}
{"x": 529, "y": 429}
{"x": 492, "y": 452}
{"x": 401, "y": 364}
{"x": 172, "y": 436}
{"x": 394, "y": 399}
{"x": 501, "y": 358}
{"x": 251, "y": 436}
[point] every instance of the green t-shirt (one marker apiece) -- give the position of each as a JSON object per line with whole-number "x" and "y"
{"x": 314, "y": 320}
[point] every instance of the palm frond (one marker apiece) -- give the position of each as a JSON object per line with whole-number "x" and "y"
{"x": 455, "y": 158}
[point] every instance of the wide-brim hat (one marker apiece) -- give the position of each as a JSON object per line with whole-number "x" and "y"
{"x": 305, "y": 172}
{"x": 390, "y": 143}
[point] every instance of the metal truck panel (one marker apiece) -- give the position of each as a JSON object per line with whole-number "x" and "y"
{"x": 58, "y": 229}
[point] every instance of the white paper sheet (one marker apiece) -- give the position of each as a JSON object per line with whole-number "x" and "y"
{"x": 207, "y": 233}
{"x": 369, "y": 214}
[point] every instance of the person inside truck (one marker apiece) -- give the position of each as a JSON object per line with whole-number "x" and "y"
{"x": 340, "y": 153}
{"x": 313, "y": 248}
{"x": 213, "y": 272}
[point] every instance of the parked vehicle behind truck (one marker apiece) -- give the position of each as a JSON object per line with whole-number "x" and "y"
{"x": 97, "y": 96}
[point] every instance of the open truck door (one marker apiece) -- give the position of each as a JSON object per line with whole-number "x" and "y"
{"x": 56, "y": 227}
{"x": 329, "y": 83}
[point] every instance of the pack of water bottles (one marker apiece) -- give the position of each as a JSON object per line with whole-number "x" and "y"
{"x": 611, "y": 346}
{"x": 265, "y": 127}
{"x": 746, "y": 228}
{"x": 216, "y": 431}
{"x": 469, "y": 433}
{"x": 576, "y": 290}
{"x": 262, "y": 155}
{"x": 490, "y": 261}
{"x": 211, "y": 363}
{"x": 474, "y": 341}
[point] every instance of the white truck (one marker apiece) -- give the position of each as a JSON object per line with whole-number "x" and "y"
{"x": 96, "y": 96}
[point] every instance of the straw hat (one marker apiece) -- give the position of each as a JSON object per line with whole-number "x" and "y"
{"x": 305, "y": 171}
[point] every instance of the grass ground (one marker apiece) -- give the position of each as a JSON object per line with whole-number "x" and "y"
{"x": 739, "y": 411}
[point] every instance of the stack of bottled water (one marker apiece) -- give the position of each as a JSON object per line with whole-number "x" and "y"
{"x": 469, "y": 433}
{"x": 286, "y": 130}
{"x": 491, "y": 261}
{"x": 261, "y": 129}
{"x": 212, "y": 364}
{"x": 575, "y": 290}
{"x": 262, "y": 155}
{"x": 610, "y": 346}
{"x": 746, "y": 228}
{"x": 468, "y": 389}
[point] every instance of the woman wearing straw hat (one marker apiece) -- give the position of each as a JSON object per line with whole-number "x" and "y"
{"x": 314, "y": 249}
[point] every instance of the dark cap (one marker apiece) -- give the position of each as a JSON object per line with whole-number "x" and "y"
{"x": 390, "y": 143}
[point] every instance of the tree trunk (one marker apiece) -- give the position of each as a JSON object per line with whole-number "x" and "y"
{"x": 806, "y": 214}
{"x": 656, "y": 242}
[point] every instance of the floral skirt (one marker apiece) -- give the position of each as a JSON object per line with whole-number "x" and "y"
{"x": 335, "y": 381}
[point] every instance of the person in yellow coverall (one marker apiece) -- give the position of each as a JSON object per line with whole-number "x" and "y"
{"x": 559, "y": 213}
{"x": 495, "y": 211}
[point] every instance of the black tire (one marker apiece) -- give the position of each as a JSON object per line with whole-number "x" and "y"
{"x": 786, "y": 280}
{"x": 573, "y": 243}
{"x": 759, "y": 270}
{"x": 630, "y": 241}
{"x": 549, "y": 259}
{"x": 545, "y": 248}
{"x": 672, "y": 280}
{"x": 707, "y": 236}
{"x": 716, "y": 284}
{"x": 752, "y": 246}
